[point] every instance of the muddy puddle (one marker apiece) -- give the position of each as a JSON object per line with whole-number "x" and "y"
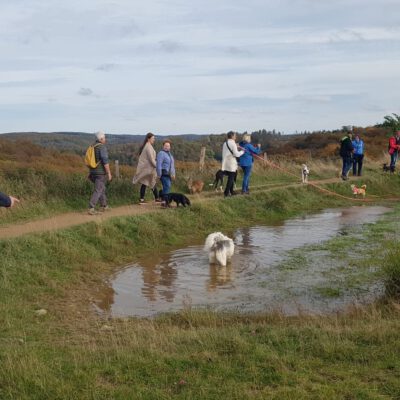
{"x": 257, "y": 280}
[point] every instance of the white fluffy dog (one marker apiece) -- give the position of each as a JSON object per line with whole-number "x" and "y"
{"x": 304, "y": 173}
{"x": 220, "y": 248}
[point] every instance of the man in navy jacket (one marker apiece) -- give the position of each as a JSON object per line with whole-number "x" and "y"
{"x": 7, "y": 201}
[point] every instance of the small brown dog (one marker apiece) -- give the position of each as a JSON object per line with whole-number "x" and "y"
{"x": 195, "y": 186}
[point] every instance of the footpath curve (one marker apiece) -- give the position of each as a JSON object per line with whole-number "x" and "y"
{"x": 63, "y": 221}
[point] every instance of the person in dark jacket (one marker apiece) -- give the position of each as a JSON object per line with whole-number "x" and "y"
{"x": 100, "y": 175}
{"x": 358, "y": 156}
{"x": 7, "y": 201}
{"x": 346, "y": 152}
{"x": 246, "y": 160}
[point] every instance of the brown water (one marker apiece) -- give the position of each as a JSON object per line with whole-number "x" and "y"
{"x": 255, "y": 280}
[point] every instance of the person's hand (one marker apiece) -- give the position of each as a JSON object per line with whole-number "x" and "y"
{"x": 14, "y": 201}
{"x": 173, "y": 177}
{"x": 258, "y": 145}
{"x": 109, "y": 177}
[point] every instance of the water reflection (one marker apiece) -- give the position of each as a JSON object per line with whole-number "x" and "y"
{"x": 167, "y": 282}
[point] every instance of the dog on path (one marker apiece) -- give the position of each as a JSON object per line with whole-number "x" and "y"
{"x": 362, "y": 191}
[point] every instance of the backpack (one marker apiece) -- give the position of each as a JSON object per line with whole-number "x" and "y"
{"x": 90, "y": 156}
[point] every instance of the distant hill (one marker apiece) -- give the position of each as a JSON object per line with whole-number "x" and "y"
{"x": 186, "y": 147}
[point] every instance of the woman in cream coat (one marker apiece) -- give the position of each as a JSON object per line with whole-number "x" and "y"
{"x": 229, "y": 163}
{"x": 146, "y": 169}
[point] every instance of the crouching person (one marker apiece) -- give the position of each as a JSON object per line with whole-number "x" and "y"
{"x": 99, "y": 174}
{"x": 165, "y": 170}
{"x": 7, "y": 201}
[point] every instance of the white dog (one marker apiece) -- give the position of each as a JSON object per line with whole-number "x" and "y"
{"x": 220, "y": 248}
{"x": 304, "y": 173}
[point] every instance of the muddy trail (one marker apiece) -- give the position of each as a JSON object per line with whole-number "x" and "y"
{"x": 67, "y": 220}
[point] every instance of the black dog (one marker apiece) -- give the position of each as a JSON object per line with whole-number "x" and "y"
{"x": 390, "y": 169}
{"x": 219, "y": 179}
{"x": 178, "y": 198}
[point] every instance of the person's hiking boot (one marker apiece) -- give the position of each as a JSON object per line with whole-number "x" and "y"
{"x": 141, "y": 201}
{"x": 158, "y": 200}
{"x": 105, "y": 208}
{"x": 92, "y": 211}
{"x": 344, "y": 177}
{"x": 164, "y": 204}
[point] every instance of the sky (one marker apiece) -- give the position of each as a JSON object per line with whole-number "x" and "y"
{"x": 179, "y": 66}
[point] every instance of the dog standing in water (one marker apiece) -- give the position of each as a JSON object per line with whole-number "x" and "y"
{"x": 220, "y": 248}
{"x": 304, "y": 173}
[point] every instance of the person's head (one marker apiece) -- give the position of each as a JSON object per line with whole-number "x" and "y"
{"x": 246, "y": 138}
{"x": 166, "y": 145}
{"x": 149, "y": 138}
{"x": 231, "y": 135}
{"x": 101, "y": 136}
{"x": 357, "y": 138}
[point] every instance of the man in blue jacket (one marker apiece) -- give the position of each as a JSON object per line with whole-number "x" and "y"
{"x": 358, "y": 155}
{"x": 246, "y": 160}
{"x": 165, "y": 169}
{"x": 7, "y": 201}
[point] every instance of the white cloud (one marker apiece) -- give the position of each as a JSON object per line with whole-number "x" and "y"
{"x": 196, "y": 67}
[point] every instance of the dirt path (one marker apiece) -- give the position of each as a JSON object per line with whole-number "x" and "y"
{"x": 68, "y": 220}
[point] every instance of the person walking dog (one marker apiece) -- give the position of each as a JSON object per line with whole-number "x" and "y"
{"x": 246, "y": 160}
{"x": 99, "y": 174}
{"x": 165, "y": 170}
{"x": 146, "y": 173}
{"x": 394, "y": 147}
{"x": 358, "y": 155}
{"x": 230, "y": 153}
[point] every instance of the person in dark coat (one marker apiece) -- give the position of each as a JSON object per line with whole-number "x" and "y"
{"x": 346, "y": 152}
{"x": 7, "y": 201}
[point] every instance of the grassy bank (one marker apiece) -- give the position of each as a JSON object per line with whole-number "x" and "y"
{"x": 72, "y": 353}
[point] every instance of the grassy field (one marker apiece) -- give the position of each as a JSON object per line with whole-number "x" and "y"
{"x": 72, "y": 353}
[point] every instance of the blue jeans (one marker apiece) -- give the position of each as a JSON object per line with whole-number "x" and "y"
{"x": 393, "y": 159}
{"x": 166, "y": 186}
{"x": 347, "y": 164}
{"x": 246, "y": 178}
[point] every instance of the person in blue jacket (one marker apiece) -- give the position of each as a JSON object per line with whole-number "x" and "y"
{"x": 358, "y": 155}
{"x": 165, "y": 167}
{"x": 7, "y": 201}
{"x": 246, "y": 160}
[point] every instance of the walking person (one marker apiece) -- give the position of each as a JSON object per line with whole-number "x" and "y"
{"x": 346, "y": 152}
{"x": 394, "y": 147}
{"x": 146, "y": 173}
{"x": 230, "y": 153}
{"x": 246, "y": 160}
{"x": 165, "y": 170}
{"x": 7, "y": 201}
{"x": 99, "y": 175}
{"x": 358, "y": 155}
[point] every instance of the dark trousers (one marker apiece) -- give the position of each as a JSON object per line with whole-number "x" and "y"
{"x": 347, "y": 161}
{"x": 143, "y": 192}
{"x": 99, "y": 193}
{"x": 231, "y": 181}
{"x": 357, "y": 162}
{"x": 393, "y": 159}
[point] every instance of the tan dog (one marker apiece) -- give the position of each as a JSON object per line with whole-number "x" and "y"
{"x": 195, "y": 186}
{"x": 359, "y": 190}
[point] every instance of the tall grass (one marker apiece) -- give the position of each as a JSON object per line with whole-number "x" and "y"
{"x": 73, "y": 353}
